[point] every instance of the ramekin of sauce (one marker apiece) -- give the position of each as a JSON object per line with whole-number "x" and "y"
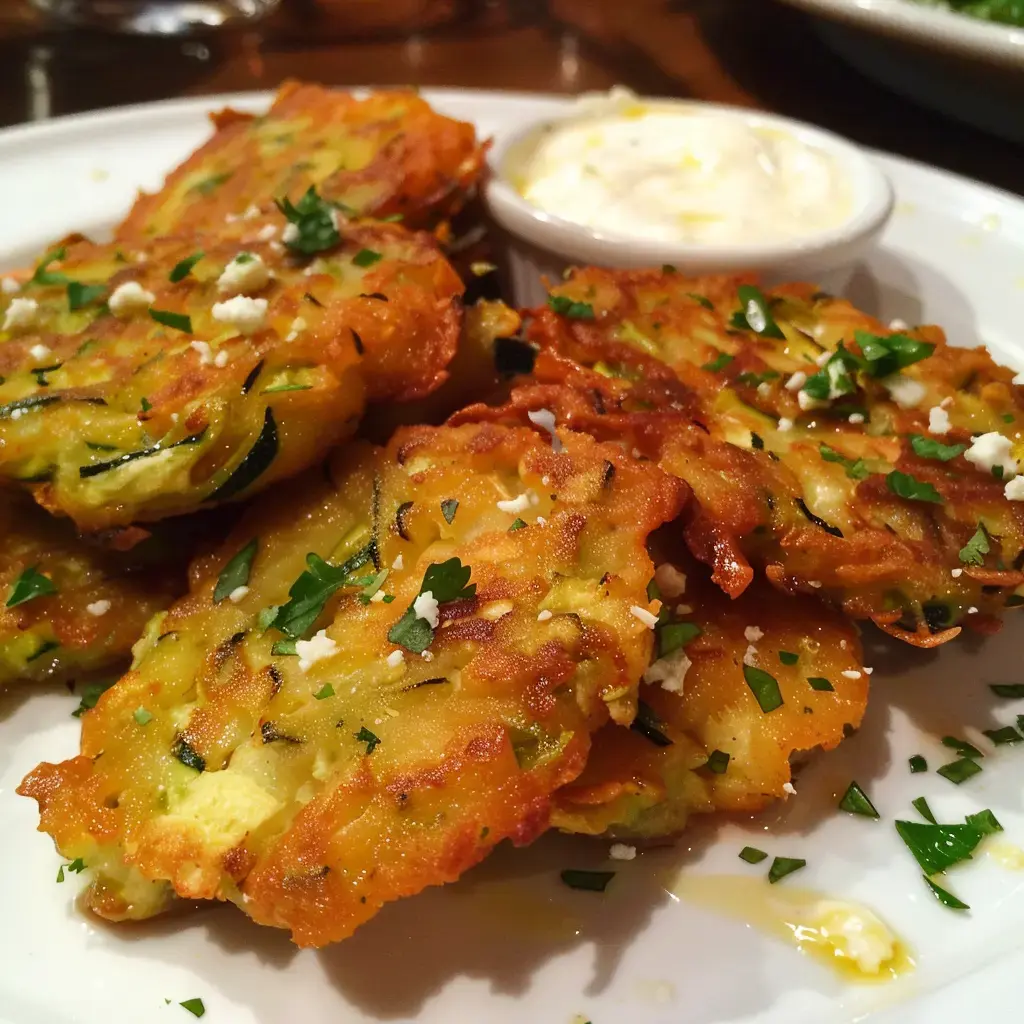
{"x": 621, "y": 181}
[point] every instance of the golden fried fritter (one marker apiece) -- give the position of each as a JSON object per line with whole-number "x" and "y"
{"x": 712, "y": 734}
{"x": 69, "y": 606}
{"x": 477, "y": 606}
{"x": 137, "y": 386}
{"x": 858, "y": 479}
{"x": 384, "y": 155}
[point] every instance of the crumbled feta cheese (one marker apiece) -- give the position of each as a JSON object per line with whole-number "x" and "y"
{"x": 398, "y": 563}
{"x": 815, "y": 583}
{"x": 938, "y": 420}
{"x": 788, "y": 787}
{"x": 752, "y": 634}
{"x": 16, "y": 414}
{"x": 684, "y": 609}
{"x": 898, "y": 325}
{"x": 868, "y": 671}
{"x": 243, "y": 313}
{"x": 427, "y": 656}
{"x": 221, "y": 359}
{"x": 541, "y": 521}
{"x": 990, "y": 450}
{"x": 377, "y": 597}
{"x": 40, "y": 352}
{"x": 957, "y": 573}
{"x": 129, "y": 298}
{"x": 750, "y": 655}
{"x": 545, "y": 480}
{"x": 797, "y": 381}
{"x": 764, "y": 389}
{"x": 21, "y": 314}
{"x": 267, "y": 232}
{"x": 545, "y": 419}
{"x": 515, "y": 505}
{"x": 9, "y": 286}
{"x": 203, "y": 348}
{"x": 649, "y": 620}
{"x": 238, "y": 594}
{"x": 806, "y": 403}
{"x": 855, "y": 417}
{"x": 290, "y": 233}
{"x": 1014, "y": 489}
{"x": 620, "y": 851}
{"x": 98, "y": 608}
{"x": 972, "y": 610}
{"x": 244, "y": 275}
{"x": 425, "y": 607}
{"x": 669, "y": 671}
{"x": 850, "y": 673}
{"x": 785, "y": 423}
{"x": 318, "y": 648}
{"x": 670, "y": 581}
{"x": 906, "y": 392}
{"x": 544, "y": 615}
{"x": 395, "y": 658}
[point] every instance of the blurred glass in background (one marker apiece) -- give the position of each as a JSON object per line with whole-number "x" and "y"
{"x": 155, "y": 17}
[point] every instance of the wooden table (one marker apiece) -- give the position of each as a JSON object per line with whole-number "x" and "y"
{"x": 752, "y": 52}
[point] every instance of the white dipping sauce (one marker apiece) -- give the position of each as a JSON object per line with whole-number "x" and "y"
{"x": 673, "y": 174}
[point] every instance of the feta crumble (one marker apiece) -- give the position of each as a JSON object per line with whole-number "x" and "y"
{"x": 544, "y": 615}
{"x": 671, "y": 582}
{"x": 221, "y": 359}
{"x": 98, "y": 608}
{"x": 40, "y": 352}
{"x": 267, "y": 232}
{"x": 785, "y": 423}
{"x": 238, "y": 594}
{"x": 906, "y": 392}
{"x": 545, "y": 419}
{"x": 850, "y": 673}
{"x": 395, "y": 658}
{"x": 807, "y": 403}
{"x": 243, "y": 313}
{"x": 290, "y": 233}
{"x": 425, "y": 607}
{"x": 244, "y": 275}
{"x": 318, "y": 648}
{"x": 938, "y": 420}
{"x": 797, "y": 381}
{"x": 398, "y": 564}
{"x": 9, "y": 286}
{"x": 649, "y": 620}
{"x": 788, "y": 787}
{"x": 991, "y": 450}
{"x": 855, "y": 417}
{"x": 1014, "y": 489}
{"x": 21, "y": 314}
{"x": 515, "y": 505}
{"x": 750, "y": 655}
{"x": 669, "y": 671}
{"x": 620, "y": 851}
{"x": 129, "y": 298}
{"x": 203, "y": 348}
{"x": 957, "y": 573}
{"x": 752, "y": 634}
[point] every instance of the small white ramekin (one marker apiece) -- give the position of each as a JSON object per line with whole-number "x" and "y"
{"x": 538, "y": 244}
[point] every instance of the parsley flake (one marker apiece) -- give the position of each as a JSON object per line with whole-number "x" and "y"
{"x": 448, "y": 509}
{"x": 30, "y": 585}
{"x": 921, "y": 806}
{"x": 184, "y": 268}
{"x": 44, "y": 275}
{"x": 1003, "y": 736}
{"x": 91, "y": 693}
{"x": 517, "y": 524}
{"x": 755, "y": 314}
{"x": 917, "y": 764}
{"x": 820, "y": 683}
{"x": 887, "y": 355}
{"x": 764, "y": 687}
{"x": 179, "y": 321}
{"x": 1008, "y": 691}
{"x": 959, "y": 771}
{"x": 906, "y": 486}
{"x": 236, "y": 573}
{"x": 856, "y": 801}
{"x": 938, "y": 847}
{"x": 788, "y": 657}
{"x": 447, "y": 581}
{"x": 946, "y": 898}
{"x": 856, "y": 469}
{"x": 720, "y": 362}
{"x": 564, "y": 306}
{"x": 985, "y": 822}
{"x": 783, "y": 866}
{"x": 975, "y": 550}
{"x": 142, "y": 716}
{"x": 80, "y": 295}
{"x": 194, "y": 1006}
{"x": 311, "y": 591}
{"x": 717, "y": 762}
{"x": 752, "y": 855}
{"x": 673, "y": 635}
{"x": 588, "y": 881}
{"x": 929, "y": 448}
{"x": 962, "y": 747}
{"x": 325, "y": 691}
{"x": 316, "y": 221}
{"x": 370, "y": 739}
{"x": 366, "y": 258}
{"x": 647, "y": 723}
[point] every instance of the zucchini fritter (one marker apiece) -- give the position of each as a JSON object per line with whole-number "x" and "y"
{"x": 477, "y": 607}
{"x": 880, "y": 465}
{"x": 69, "y": 606}
{"x": 387, "y": 154}
{"x": 137, "y": 386}
{"x": 701, "y": 742}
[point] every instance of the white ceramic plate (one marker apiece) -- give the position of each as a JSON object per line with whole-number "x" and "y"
{"x": 932, "y": 26}
{"x": 509, "y": 943}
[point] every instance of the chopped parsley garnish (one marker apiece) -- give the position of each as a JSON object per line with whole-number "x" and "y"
{"x": 783, "y": 866}
{"x": 701, "y": 300}
{"x": 856, "y": 469}
{"x": 673, "y": 635}
{"x": 917, "y": 764}
{"x": 145, "y": 405}
{"x": 753, "y": 380}
{"x": 44, "y": 275}
{"x": 284, "y": 648}
{"x": 80, "y": 295}
{"x": 985, "y": 822}
{"x": 210, "y": 185}
{"x": 447, "y": 581}
{"x": 921, "y": 806}
{"x": 236, "y": 573}
{"x": 938, "y": 847}
{"x": 788, "y": 657}
{"x": 764, "y": 687}
{"x": 856, "y": 801}
{"x": 820, "y": 683}
{"x": 752, "y": 855}
{"x": 194, "y": 1006}
{"x": 142, "y": 716}
{"x": 91, "y": 693}
{"x": 946, "y": 898}
{"x": 286, "y": 387}
{"x": 886, "y": 355}
{"x": 316, "y": 221}
{"x": 179, "y": 321}
{"x": 720, "y": 362}
{"x": 1009, "y": 691}
{"x": 311, "y": 591}
{"x": 372, "y": 585}
{"x": 717, "y": 762}
{"x": 448, "y": 509}
{"x": 30, "y": 585}
{"x": 184, "y": 268}
{"x": 517, "y": 524}
{"x": 755, "y": 314}
{"x": 370, "y": 739}
{"x": 366, "y": 258}
{"x": 929, "y": 448}
{"x": 975, "y": 550}
{"x": 588, "y": 881}
{"x": 834, "y": 378}
{"x": 1003, "y": 736}
{"x": 647, "y": 723}
{"x": 906, "y": 486}
{"x": 76, "y": 867}
{"x": 959, "y": 771}
{"x": 564, "y": 306}
{"x": 962, "y": 747}
{"x": 325, "y": 691}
